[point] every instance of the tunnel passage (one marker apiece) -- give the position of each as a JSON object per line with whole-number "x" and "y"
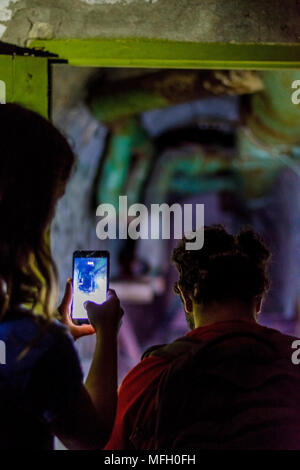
{"x": 226, "y": 139}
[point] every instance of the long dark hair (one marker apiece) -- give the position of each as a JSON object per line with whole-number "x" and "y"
{"x": 35, "y": 164}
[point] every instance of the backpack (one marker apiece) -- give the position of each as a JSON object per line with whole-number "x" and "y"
{"x": 237, "y": 391}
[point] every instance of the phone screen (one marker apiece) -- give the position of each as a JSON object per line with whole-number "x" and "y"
{"x": 90, "y": 280}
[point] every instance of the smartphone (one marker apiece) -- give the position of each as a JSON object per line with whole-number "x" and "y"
{"x": 90, "y": 281}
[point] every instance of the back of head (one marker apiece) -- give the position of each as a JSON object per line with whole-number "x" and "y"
{"x": 35, "y": 163}
{"x": 228, "y": 267}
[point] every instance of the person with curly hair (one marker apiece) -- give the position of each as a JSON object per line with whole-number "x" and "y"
{"x": 227, "y": 384}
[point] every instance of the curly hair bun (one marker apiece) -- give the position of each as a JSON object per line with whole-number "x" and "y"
{"x": 252, "y": 245}
{"x": 227, "y": 267}
{"x": 231, "y": 275}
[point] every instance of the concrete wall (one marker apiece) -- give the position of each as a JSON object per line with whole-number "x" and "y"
{"x": 184, "y": 20}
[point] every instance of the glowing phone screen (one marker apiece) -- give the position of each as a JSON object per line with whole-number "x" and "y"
{"x": 89, "y": 283}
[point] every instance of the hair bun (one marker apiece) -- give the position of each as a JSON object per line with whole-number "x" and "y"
{"x": 227, "y": 267}
{"x": 230, "y": 274}
{"x": 252, "y": 245}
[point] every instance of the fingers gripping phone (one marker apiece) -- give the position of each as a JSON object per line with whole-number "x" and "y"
{"x": 90, "y": 281}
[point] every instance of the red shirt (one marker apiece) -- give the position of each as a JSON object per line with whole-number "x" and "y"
{"x": 139, "y": 385}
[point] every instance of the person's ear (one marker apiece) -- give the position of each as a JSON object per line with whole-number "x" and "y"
{"x": 188, "y": 303}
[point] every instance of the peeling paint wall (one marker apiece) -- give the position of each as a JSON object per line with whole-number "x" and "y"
{"x": 112, "y": 2}
{"x": 5, "y": 14}
{"x": 183, "y": 20}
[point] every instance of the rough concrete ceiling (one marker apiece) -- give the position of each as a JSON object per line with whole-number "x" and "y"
{"x": 183, "y": 20}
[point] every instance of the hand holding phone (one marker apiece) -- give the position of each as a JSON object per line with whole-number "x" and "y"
{"x": 77, "y": 331}
{"x": 105, "y": 318}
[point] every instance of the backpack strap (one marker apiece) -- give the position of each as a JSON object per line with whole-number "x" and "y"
{"x": 188, "y": 345}
{"x": 171, "y": 351}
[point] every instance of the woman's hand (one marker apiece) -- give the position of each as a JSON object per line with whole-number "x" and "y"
{"x": 105, "y": 317}
{"x": 65, "y": 311}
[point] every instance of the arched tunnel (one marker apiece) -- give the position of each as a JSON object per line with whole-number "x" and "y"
{"x": 225, "y": 139}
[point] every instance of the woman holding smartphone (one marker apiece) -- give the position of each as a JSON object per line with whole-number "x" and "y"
{"x": 41, "y": 385}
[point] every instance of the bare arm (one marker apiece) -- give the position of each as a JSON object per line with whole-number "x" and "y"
{"x": 92, "y": 418}
{"x": 101, "y": 382}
